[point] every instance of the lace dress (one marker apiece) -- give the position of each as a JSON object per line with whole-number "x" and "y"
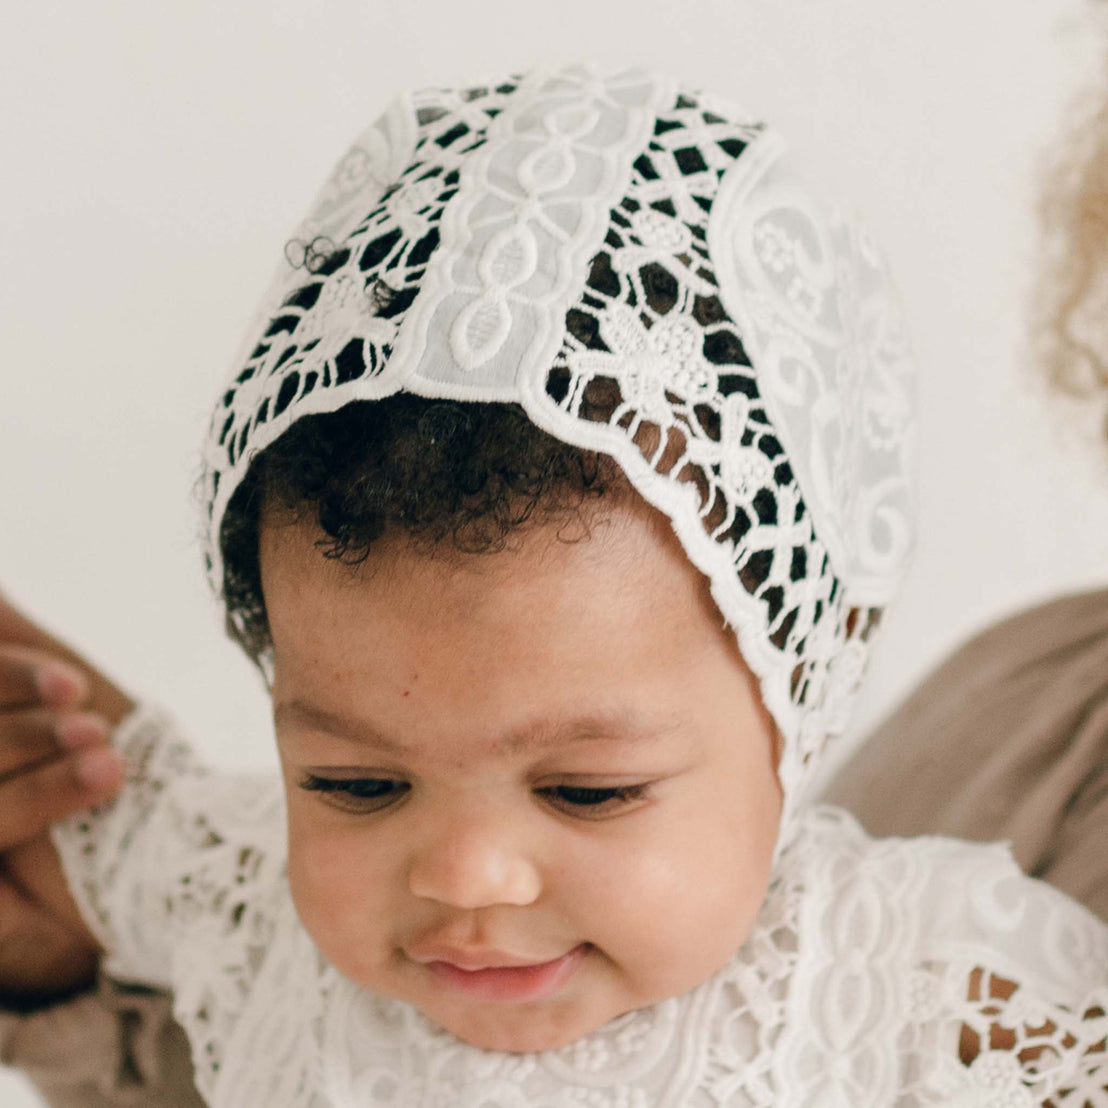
{"x": 880, "y": 972}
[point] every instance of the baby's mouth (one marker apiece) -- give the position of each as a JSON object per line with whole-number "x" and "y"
{"x": 493, "y": 976}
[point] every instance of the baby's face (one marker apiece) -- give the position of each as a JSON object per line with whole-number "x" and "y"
{"x": 528, "y": 791}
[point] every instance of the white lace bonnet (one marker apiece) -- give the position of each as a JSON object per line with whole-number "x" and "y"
{"x": 550, "y": 236}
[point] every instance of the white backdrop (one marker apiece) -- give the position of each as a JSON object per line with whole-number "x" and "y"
{"x": 156, "y": 156}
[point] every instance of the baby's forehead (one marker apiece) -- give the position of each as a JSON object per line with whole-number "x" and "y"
{"x": 568, "y": 569}
{"x": 593, "y": 643}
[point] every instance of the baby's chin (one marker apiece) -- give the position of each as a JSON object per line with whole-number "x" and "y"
{"x": 514, "y": 1039}
{"x": 516, "y": 1030}
{"x": 524, "y": 1027}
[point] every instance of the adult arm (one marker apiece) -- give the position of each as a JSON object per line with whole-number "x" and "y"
{"x": 81, "y": 1038}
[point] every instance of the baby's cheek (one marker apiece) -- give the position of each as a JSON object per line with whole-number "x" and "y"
{"x": 666, "y": 919}
{"x": 691, "y": 897}
{"x": 341, "y": 897}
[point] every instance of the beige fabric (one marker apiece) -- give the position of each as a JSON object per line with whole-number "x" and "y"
{"x": 1007, "y": 739}
{"x": 112, "y": 1048}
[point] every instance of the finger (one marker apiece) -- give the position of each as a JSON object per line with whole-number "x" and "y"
{"x": 30, "y": 677}
{"x": 30, "y": 802}
{"x": 107, "y": 698}
{"x": 32, "y": 735}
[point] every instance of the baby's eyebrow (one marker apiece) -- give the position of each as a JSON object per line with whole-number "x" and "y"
{"x": 620, "y": 726}
{"x": 626, "y": 727}
{"x": 301, "y": 713}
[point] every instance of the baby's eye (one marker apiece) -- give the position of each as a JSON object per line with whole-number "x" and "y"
{"x": 587, "y": 802}
{"x": 356, "y": 794}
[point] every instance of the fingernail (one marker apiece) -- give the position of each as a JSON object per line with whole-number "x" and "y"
{"x": 98, "y": 768}
{"x": 59, "y": 684}
{"x": 83, "y": 729}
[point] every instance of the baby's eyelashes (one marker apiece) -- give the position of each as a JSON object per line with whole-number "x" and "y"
{"x": 592, "y": 802}
{"x": 362, "y": 795}
{"x": 356, "y": 794}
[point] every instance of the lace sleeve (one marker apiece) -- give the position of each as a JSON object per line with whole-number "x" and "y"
{"x": 182, "y": 855}
{"x": 1056, "y": 1052}
{"x": 933, "y": 972}
{"x": 1029, "y": 1010}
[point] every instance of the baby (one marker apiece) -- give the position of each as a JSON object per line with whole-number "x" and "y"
{"x": 557, "y": 493}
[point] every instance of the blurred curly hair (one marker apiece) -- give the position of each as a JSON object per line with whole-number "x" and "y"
{"x": 1070, "y": 313}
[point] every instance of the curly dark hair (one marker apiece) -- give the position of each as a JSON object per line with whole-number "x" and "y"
{"x": 466, "y": 475}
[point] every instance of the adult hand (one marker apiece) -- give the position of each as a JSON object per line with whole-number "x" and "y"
{"x": 56, "y": 714}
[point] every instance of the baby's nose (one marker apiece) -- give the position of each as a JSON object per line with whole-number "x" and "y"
{"x": 473, "y": 862}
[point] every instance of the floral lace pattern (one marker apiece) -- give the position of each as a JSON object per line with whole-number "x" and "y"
{"x": 636, "y": 266}
{"x": 350, "y": 273}
{"x": 880, "y": 972}
{"x": 819, "y": 317}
